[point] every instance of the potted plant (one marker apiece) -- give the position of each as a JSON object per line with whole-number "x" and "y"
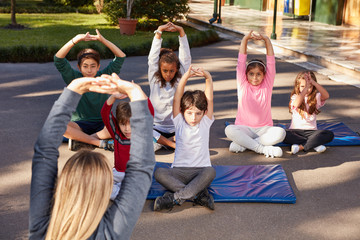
{"x": 128, "y": 25}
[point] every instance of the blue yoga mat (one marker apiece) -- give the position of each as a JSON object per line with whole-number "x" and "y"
{"x": 253, "y": 183}
{"x": 343, "y": 135}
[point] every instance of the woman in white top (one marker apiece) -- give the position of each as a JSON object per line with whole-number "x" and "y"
{"x": 165, "y": 70}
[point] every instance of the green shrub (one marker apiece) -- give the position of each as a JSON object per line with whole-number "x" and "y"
{"x": 48, "y": 8}
{"x": 150, "y": 13}
{"x": 75, "y": 3}
{"x": 42, "y": 53}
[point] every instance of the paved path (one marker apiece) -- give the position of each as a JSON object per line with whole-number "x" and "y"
{"x": 326, "y": 185}
{"x": 334, "y": 47}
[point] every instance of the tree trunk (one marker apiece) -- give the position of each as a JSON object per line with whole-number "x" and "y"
{"x": 13, "y": 12}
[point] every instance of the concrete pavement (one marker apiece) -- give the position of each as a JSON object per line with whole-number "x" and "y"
{"x": 334, "y": 49}
{"x": 326, "y": 185}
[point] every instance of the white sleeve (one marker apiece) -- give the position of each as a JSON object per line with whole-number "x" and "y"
{"x": 184, "y": 54}
{"x": 153, "y": 58}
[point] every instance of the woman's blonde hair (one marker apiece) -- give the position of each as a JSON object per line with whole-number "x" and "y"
{"x": 82, "y": 195}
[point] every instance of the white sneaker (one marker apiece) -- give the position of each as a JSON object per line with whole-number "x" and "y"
{"x": 236, "y": 148}
{"x": 157, "y": 146}
{"x": 320, "y": 149}
{"x": 295, "y": 149}
{"x": 271, "y": 151}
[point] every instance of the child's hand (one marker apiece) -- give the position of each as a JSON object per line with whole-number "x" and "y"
{"x": 191, "y": 72}
{"x": 164, "y": 27}
{"x": 200, "y": 72}
{"x": 249, "y": 35}
{"x": 99, "y": 85}
{"x": 98, "y": 36}
{"x": 175, "y": 28}
{"x": 119, "y": 95}
{"x": 83, "y": 37}
{"x": 308, "y": 79}
{"x": 131, "y": 89}
{"x": 258, "y": 37}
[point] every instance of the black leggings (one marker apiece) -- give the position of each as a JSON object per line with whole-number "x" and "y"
{"x": 308, "y": 138}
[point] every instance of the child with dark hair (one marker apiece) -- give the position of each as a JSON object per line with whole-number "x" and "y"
{"x": 253, "y": 128}
{"x": 120, "y": 131}
{"x": 191, "y": 172}
{"x": 86, "y": 128}
{"x": 165, "y": 70}
{"x": 306, "y": 99}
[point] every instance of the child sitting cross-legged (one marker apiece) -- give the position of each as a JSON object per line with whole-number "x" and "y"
{"x": 120, "y": 130}
{"x": 306, "y": 99}
{"x": 191, "y": 172}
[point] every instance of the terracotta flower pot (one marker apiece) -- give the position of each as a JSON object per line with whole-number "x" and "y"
{"x": 127, "y": 26}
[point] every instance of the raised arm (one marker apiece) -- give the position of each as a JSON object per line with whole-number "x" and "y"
{"x": 176, "y": 28}
{"x": 153, "y": 58}
{"x": 161, "y": 29}
{"x": 180, "y": 91}
{"x": 208, "y": 90}
{"x": 244, "y": 42}
{"x": 113, "y": 48}
{"x": 268, "y": 45}
{"x": 324, "y": 94}
{"x": 72, "y": 42}
{"x": 261, "y": 37}
{"x": 184, "y": 48}
{"x": 300, "y": 97}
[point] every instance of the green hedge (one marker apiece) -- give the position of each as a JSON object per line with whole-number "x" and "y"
{"x": 50, "y": 9}
{"x": 46, "y": 53}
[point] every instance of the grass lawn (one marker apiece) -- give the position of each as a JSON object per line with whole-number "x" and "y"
{"x": 45, "y": 34}
{"x": 57, "y": 29}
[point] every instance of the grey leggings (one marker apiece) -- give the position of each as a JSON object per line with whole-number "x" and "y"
{"x": 185, "y": 182}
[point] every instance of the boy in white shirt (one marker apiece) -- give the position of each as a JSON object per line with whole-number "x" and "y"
{"x": 191, "y": 172}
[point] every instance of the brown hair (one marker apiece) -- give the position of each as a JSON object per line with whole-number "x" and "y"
{"x": 82, "y": 196}
{"x": 123, "y": 112}
{"x": 168, "y": 56}
{"x": 255, "y": 63}
{"x": 195, "y": 98}
{"x": 88, "y": 53}
{"x": 311, "y": 97}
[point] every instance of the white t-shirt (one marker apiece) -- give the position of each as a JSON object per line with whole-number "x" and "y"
{"x": 309, "y": 121}
{"x": 192, "y": 143}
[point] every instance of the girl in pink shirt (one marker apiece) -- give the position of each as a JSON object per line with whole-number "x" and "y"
{"x": 253, "y": 128}
{"x": 306, "y": 99}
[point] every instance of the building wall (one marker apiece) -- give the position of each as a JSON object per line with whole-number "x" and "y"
{"x": 352, "y": 12}
{"x": 329, "y": 11}
{"x": 253, "y": 4}
{"x": 334, "y": 12}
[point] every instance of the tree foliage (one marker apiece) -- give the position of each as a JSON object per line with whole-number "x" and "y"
{"x": 151, "y": 10}
{"x": 75, "y": 3}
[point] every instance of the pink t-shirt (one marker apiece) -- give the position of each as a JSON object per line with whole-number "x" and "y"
{"x": 254, "y": 102}
{"x": 309, "y": 121}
